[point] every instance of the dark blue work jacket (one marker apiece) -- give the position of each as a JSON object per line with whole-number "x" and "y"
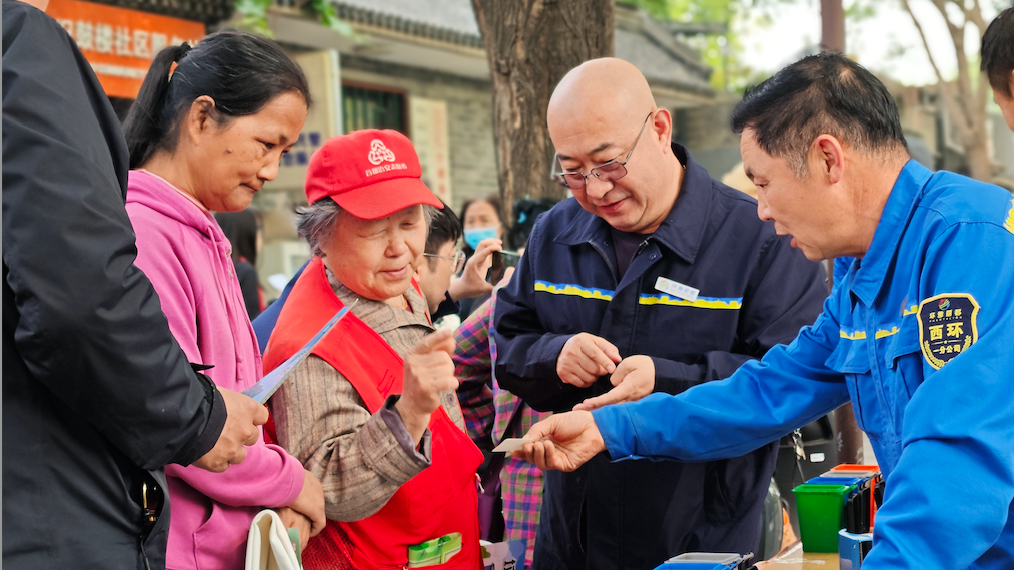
{"x": 755, "y": 291}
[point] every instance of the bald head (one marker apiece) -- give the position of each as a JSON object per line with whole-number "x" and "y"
{"x": 602, "y": 111}
{"x": 606, "y": 90}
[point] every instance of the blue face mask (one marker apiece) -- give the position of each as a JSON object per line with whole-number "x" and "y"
{"x": 475, "y": 235}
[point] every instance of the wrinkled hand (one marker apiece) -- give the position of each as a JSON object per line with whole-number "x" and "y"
{"x": 563, "y": 442}
{"x": 243, "y": 415}
{"x": 585, "y": 358}
{"x": 294, "y": 519}
{"x": 634, "y": 379}
{"x": 429, "y": 371}
{"x": 472, "y": 282}
{"x": 310, "y": 503}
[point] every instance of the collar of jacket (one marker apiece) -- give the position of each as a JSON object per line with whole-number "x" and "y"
{"x": 161, "y": 196}
{"x": 871, "y": 270}
{"x": 683, "y": 228}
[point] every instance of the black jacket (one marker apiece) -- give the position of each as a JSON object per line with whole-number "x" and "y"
{"x": 97, "y": 395}
{"x": 755, "y": 291}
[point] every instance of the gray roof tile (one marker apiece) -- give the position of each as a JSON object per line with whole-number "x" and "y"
{"x": 640, "y": 40}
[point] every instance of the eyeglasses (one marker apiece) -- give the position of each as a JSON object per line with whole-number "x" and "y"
{"x": 608, "y": 172}
{"x": 458, "y": 258}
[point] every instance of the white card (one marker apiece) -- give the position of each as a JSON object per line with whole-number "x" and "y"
{"x": 685, "y": 292}
{"x": 510, "y": 444}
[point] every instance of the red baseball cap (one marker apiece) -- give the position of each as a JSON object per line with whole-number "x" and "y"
{"x": 371, "y": 174}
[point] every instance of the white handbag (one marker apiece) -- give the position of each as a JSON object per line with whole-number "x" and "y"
{"x": 269, "y": 546}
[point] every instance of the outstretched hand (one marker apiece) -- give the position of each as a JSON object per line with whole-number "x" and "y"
{"x": 563, "y": 442}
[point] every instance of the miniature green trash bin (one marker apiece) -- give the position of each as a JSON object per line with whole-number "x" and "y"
{"x": 821, "y": 515}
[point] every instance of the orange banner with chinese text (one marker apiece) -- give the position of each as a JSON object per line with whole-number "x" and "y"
{"x": 120, "y": 43}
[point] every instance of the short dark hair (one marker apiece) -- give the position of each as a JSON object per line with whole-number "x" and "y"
{"x": 820, "y": 94}
{"x": 998, "y": 51}
{"x": 443, "y": 227}
{"x": 242, "y": 72}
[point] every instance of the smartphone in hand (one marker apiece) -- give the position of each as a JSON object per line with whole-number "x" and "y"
{"x": 501, "y": 260}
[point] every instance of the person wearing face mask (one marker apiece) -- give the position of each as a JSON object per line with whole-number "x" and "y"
{"x": 482, "y": 222}
{"x": 208, "y": 129}
{"x": 481, "y": 219}
{"x": 438, "y": 277}
{"x": 372, "y": 410}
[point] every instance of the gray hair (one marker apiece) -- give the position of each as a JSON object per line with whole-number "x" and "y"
{"x": 316, "y": 223}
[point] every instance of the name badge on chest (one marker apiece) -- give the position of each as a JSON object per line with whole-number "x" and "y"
{"x": 679, "y": 290}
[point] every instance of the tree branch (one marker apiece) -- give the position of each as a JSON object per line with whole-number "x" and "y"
{"x": 975, "y": 16}
{"x": 958, "y": 39}
{"x": 946, "y": 90}
{"x": 925, "y": 43}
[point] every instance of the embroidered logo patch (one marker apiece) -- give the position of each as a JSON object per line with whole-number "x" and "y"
{"x": 947, "y": 326}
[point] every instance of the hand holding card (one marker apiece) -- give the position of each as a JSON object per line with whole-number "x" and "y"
{"x": 510, "y": 444}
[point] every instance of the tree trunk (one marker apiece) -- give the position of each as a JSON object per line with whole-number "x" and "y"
{"x": 980, "y": 167}
{"x": 531, "y": 44}
{"x": 832, "y": 31}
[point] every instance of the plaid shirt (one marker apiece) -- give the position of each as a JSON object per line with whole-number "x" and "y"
{"x": 487, "y": 409}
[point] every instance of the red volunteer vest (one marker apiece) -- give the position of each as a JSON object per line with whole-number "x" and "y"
{"x": 440, "y": 500}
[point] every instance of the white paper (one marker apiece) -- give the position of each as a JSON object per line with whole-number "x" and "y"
{"x": 511, "y": 444}
{"x": 273, "y": 380}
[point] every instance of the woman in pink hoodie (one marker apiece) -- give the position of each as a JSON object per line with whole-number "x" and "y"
{"x": 207, "y": 131}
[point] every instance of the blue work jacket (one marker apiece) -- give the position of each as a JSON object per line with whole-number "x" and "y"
{"x": 918, "y": 334}
{"x": 755, "y": 291}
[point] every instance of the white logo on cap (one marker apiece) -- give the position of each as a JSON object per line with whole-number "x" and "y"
{"x": 379, "y": 153}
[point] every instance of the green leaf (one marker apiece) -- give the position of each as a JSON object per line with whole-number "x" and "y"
{"x": 254, "y": 16}
{"x": 328, "y": 17}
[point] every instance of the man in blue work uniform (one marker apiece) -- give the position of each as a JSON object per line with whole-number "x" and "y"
{"x": 918, "y": 332}
{"x": 654, "y": 278}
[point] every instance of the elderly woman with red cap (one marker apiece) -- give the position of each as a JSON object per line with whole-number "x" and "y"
{"x": 372, "y": 411}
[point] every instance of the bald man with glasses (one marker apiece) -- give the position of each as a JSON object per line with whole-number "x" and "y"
{"x": 653, "y": 278}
